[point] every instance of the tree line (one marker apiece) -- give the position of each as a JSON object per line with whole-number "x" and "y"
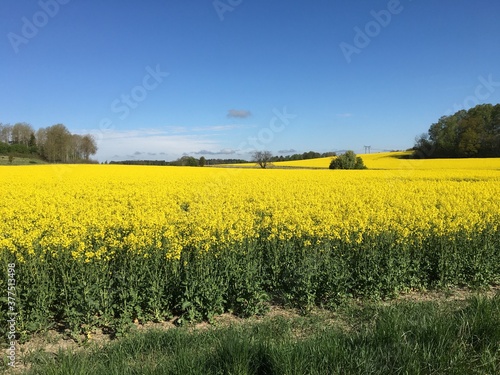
{"x": 472, "y": 133}
{"x": 184, "y": 161}
{"x": 53, "y": 144}
{"x": 303, "y": 156}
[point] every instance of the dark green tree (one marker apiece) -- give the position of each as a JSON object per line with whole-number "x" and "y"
{"x": 32, "y": 141}
{"x": 469, "y": 138}
{"x": 472, "y": 133}
{"x": 348, "y": 160}
{"x": 187, "y": 161}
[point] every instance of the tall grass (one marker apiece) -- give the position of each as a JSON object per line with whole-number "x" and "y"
{"x": 401, "y": 338}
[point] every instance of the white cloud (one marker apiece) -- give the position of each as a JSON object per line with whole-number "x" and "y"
{"x": 116, "y": 145}
{"x": 290, "y": 151}
{"x": 238, "y": 113}
{"x": 224, "y": 151}
{"x": 170, "y": 142}
{"x": 177, "y": 129}
{"x": 219, "y": 128}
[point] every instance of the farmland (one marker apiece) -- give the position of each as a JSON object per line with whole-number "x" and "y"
{"x": 102, "y": 246}
{"x": 395, "y": 161}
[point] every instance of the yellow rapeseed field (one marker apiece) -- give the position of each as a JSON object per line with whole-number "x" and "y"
{"x": 92, "y": 211}
{"x": 398, "y": 160}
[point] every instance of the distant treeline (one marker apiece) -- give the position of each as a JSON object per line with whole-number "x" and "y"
{"x": 465, "y": 134}
{"x": 190, "y": 161}
{"x": 140, "y": 162}
{"x": 185, "y": 161}
{"x": 303, "y": 156}
{"x": 225, "y": 161}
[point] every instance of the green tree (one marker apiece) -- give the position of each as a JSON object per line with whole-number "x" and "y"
{"x": 32, "y": 141}
{"x": 348, "y": 160}
{"x": 472, "y": 133}
{"x": 469, "y": 141}
{"x": 202, "y": 161}
{"x": 186, "y": 161}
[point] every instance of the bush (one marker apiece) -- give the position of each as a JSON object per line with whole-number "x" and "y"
{"x": 348, "y": 160}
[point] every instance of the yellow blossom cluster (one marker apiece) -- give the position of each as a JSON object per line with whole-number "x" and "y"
{"x": 94, "y": 211}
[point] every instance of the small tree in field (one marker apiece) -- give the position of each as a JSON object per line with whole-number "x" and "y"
{"x": 11, "y": 159}
{"x": 349, "y": 160}
{"x": 263, "y": 158}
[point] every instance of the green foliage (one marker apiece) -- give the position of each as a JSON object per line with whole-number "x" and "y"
{"x": 246, "y": 293}
{"x": 17, "y": 149}
{"x": 185, "y": 161}
{"x": 54, "y": 144}
{"x": 243, "y": 278}
{"x": 348, "y": 160}
{"x": 202, "y": 286}
{"x": 303, "y": 156}
{"x": 188, "y": 161}
{"x": 472, "y": 133}
{"x": 21, "y": 160}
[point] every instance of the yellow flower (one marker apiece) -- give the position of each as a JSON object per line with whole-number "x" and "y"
{"x": 96, "y": 211}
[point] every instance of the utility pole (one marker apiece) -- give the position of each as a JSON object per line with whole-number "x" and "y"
{"x": 368, "y": 149}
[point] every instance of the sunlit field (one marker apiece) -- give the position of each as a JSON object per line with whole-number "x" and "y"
{"x": 397, "y": 161}
{"x": 102, "y": 245}
{"x": 93, "y": 211}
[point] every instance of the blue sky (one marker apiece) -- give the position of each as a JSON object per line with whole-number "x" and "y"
{"x": 155, "y": 79}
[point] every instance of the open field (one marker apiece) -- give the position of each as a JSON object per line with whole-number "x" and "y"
{"x": 99, "y": 247}
{"x": 392, "y": 161}
{"x": 397, "y": 160}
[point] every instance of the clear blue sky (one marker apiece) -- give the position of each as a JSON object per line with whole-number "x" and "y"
{"x": 155, "y": 79}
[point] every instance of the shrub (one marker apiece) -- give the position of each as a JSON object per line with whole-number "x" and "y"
{"x": 348, "y": 160}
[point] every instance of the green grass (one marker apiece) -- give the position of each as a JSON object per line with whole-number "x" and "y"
{"x": 438, "y": 337}
{"x": 4, "y": 160}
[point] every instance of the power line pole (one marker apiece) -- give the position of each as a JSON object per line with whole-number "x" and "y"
{"x": 368, "y": 149}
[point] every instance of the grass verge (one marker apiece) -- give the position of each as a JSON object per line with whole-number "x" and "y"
{"x": 20, "y": 160}
{"x": 400, "y": 337}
